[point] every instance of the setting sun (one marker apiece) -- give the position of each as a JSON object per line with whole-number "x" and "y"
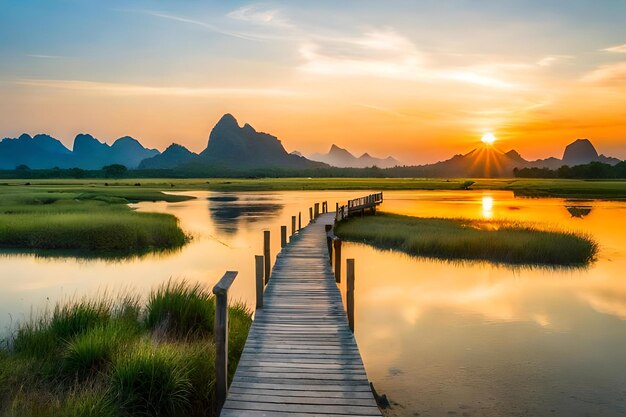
{"x": 488, "y": 138}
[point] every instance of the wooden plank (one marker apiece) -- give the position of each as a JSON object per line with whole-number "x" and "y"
{"x": 300, "y": 358}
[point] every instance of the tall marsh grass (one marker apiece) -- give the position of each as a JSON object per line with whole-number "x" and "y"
{"x": 90, "y": 222}
{"x": 119, "y": 357}
{"x": 497, "y": 241}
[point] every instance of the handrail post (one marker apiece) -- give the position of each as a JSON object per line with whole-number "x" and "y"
{"x": 283, "y": 236}
{"x": 350, "y": 292}
{"x": 310, "y": 214}
{"x": 293, "y": 225}
{"x": 329, "y": 243}
{"x": 337, "y": 244}
{"x": 316, "y": 211}
{"x": 337, "y": 207}
{"x": 258, "y": 267}
{"x": 221, "y": 337}
{"x": 266, "y": 255}
{"x": 299, "y": 220}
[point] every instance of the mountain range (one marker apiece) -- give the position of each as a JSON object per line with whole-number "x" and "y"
{"x": 44, "y": 151}
{"x": 488, "y": 161}
{"x": 342, "y": 158}
{"x": 231, "y": 146}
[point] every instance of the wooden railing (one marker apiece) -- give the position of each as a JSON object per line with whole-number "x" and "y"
{"x": 358, "y": 205}
{"x": 221, "y": 337}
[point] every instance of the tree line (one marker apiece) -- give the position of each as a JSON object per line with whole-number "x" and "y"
{"x": 592, "y": 170}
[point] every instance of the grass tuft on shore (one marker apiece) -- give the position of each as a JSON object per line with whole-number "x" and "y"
{"x": 106, "y": 357}
{"x": 181, "y": 309}
{"x": 496, "y": 241}
{"x": 96, "y": 222}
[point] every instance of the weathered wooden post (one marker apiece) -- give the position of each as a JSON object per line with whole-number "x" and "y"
{"x": 221, "y": 337}
{"x": 310, "y": 214}
{"x": 266, "y": 255}
{"x": 337, "y": 207}
{"x": 337, "y": 244}
{"x": 329, "y": 243}
{"x": 299, "y": 220}
{"x": 350, "y": 292}
{"x": 258, "y": 266}
{"x": 283, "y": 236}
{"x": 293, "y": 225}
{"x": 316, "y": 211}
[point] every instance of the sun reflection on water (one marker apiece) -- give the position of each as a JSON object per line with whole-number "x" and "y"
{"x": 487, "y": 204}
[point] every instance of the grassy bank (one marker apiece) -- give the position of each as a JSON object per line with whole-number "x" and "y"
{"x": 104, "y": 357}
{"x": 496, "y": 241}
{"x": 606, "y": 189}
{"x": 96, "y": 222}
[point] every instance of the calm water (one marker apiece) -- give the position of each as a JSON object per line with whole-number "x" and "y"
{"x": 439, "y": 338}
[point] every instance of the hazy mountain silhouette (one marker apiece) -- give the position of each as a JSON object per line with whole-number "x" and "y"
{"x": 234, "y": 147}
{"x": 244, "y": 147}
{"x": 44, "y": 151}
{"x": 175, "y": 155}
{"x": 488, "y": 161}
{"x": 484, "y": 161}
{"x": 582, "y": 151}
{"x": 342, "y": 158}
{"x": 40, "y": 151}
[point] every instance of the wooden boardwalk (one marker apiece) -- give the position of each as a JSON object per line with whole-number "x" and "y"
{"x": 300, "y": 358}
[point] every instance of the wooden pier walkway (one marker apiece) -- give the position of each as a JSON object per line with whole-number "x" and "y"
{"x": 301, "y": 359}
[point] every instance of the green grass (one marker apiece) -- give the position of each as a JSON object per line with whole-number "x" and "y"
{"x": 104, "y": 357}
{"x": 602, "y": 189}
{"x": 181, "y": 310}
{"x": 95, "y": 223}
{"x": 496, "y": 241}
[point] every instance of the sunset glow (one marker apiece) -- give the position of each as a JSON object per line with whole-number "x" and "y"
{"x": 372, "y": 79}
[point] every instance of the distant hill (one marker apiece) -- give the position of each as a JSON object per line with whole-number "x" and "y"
{"x": 44, "y": 151}
{"x": 484, "y": 161}
{"x": 244, "y": 147}
{"x": 342, "y": 158}
{"x": 40, "y": 151}
{"x": 488, "y": 161}
{"x": 175, "y": 155}
{"x": 231, "y": 147}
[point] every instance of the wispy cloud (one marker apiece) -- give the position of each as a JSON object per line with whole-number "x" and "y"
{"x": 143, "y": 90}
{"x": 620, "y": 49}
{"x": 550, "y": 60}
{"x": 40, "y": 56}
{"x": 194, "y": 22}
{"x": 387, "y": 54}
{"x": 258, "y": 15}
{"x": 610, "y": 74}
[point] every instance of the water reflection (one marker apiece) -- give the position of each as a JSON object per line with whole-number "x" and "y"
{"x": 439, "y": 338}
{"x": 228, "y": 211}
{"x": 478, "y": 339}
{"x": 487, "y": 203}
{"x": 579, "y": 211}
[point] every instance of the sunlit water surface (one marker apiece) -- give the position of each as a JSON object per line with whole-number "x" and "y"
{"x": 439, "y": 338}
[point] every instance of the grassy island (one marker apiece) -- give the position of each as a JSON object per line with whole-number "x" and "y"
{"x": 95, "y": 222}
{"x": 105, "y": 358}
{"x": 496, "y": 241}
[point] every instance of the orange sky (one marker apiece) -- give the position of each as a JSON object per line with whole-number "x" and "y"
{"x": 369, "y": 81}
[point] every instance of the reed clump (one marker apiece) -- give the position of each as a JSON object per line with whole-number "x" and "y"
{"x": 88, "y": 223}
{"x": 119, "y": 357}
{"x": 496, "y": 241}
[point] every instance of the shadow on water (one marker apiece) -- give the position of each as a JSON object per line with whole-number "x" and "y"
{"x": 82, "y": 255}
{"x": 229, "y": 212}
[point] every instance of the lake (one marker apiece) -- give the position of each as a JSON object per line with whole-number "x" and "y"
{"x": 439, "y": 338}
